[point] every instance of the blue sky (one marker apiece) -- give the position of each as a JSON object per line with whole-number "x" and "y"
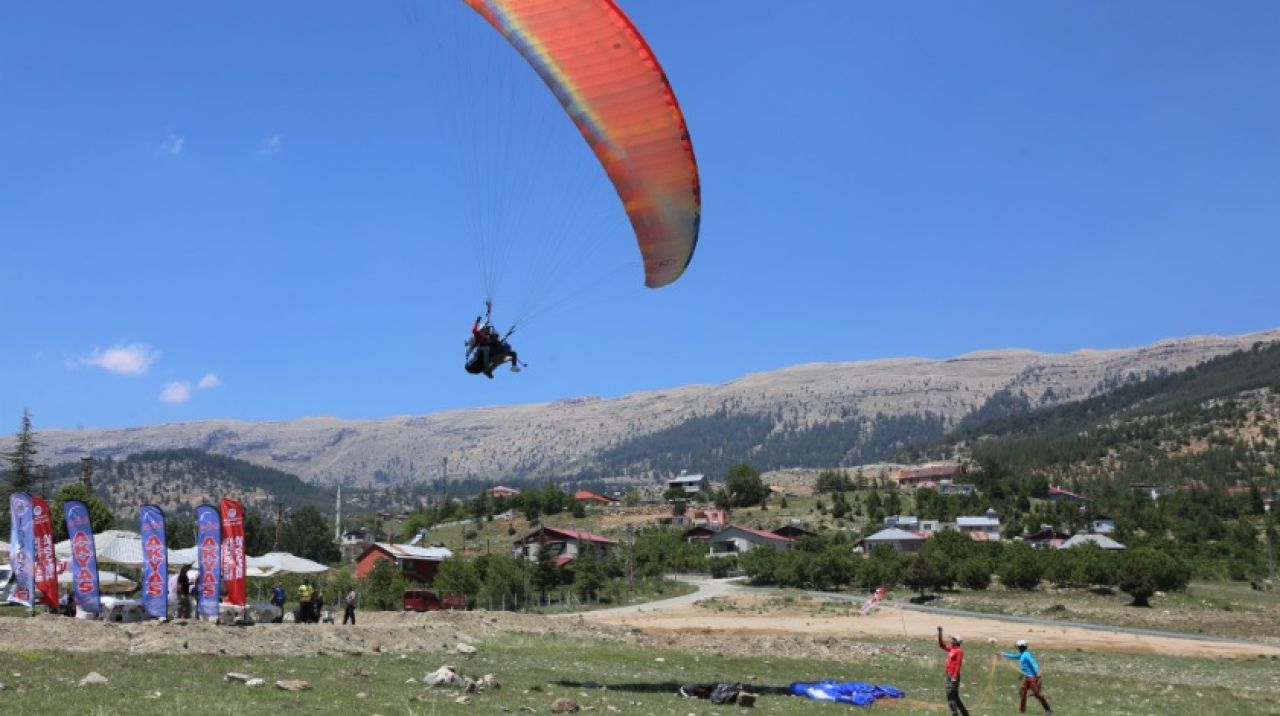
{"x": 261, "y": 197}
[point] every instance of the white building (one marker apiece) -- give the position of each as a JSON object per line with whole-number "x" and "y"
{"x": 690, "y": 484}
{"x": 988, "y": 524}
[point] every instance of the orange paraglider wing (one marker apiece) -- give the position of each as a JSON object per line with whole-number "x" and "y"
{"x": 610, "y": 83}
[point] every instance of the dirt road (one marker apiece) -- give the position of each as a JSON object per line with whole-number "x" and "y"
{"x": 743, "y": 618}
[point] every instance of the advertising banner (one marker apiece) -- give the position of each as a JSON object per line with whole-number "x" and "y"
{"x": 45, "y": 568}
{"x": 233, "y": 551}
{"x": 21, "y": 549}
{"x": 155, "y": 563}
{"x": 84, "y": 557}
{"x": 209, "y": 557}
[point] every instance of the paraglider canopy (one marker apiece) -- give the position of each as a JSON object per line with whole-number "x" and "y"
{"x": 608, "y": 80}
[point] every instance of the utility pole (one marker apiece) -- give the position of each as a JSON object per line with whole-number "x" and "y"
{"x": 337, "y": 517}
{"x": 279, "y": 526}
{"x": 86, "y": 473}
{"x": 444, "y": 479}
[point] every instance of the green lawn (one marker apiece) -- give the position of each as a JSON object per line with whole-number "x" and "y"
{"x": 612, "y": 676}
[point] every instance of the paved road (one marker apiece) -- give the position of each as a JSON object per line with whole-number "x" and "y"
{"x": 706, "y": 589}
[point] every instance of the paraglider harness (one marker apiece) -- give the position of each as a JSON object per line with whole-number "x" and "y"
{"x": 484, "y": 357}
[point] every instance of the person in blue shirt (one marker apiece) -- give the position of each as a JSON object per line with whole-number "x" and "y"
{"x": 1030, "y": 677}
{"x": 277, "y": 597}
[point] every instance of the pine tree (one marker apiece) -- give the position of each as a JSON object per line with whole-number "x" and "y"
{"x": 22, "y": 458}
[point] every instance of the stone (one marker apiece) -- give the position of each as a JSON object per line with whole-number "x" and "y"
{"x": 464, "y": 700}
{"x": 93, "y": 677}
{"x": 466, "y": 648}
{"x": 488, "y": 681}
{"x": 236, "y": 676}
{"x": 564, "y": 706}
{"x": 255, "y": 683}
{"x": 293, "y": 685}
{"x": 746, "y": 699}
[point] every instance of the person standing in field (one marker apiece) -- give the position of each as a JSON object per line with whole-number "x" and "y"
{"x": 349, "y": 612}
{"x": 304, "y": 602}
{"x": 1030, "y": 677}
{"x": 955, "y": 660}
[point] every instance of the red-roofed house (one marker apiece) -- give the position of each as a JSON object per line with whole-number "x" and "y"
{"x": 736, "y": 540}
{"x": 566, "y": 544}
{"x": 417, "y": 564}
{"x": 593, "y": 497}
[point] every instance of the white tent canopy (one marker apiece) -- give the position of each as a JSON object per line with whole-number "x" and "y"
{"x": 124, "y": 548}
{"x": 108, "y": 582}
{"x": 273, "y": 563}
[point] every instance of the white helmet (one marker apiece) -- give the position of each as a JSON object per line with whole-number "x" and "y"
{"x": 1021, "y": 643}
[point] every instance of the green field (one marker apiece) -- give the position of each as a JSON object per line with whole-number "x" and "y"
{"x": 609, "y": 676}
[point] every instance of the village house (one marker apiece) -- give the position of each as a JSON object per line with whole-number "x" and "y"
{"x": 1101, "y": 524}
{"x": 987, "y": 525}
{"x": 1102, "y": 541}
{"x": 899, "y": 539}
{"x": 501, "y": 491}
{"x": 593, "y": 498}
{"x": 565, "y": 544}
{"x": 700, "y": 532}
{"x": 417, "y": 564}
{"x": 949, "y": 488}
{"x": 905, "y": 522}
{"x": 914, "y": 477}
{"x": 1057, "y": 494}
{"x": 736, "y": 540}
{"x": 1045, "y": 538}
{"x": 794, "y": 530}
{"x": 689, "y": 484}
{"x": 353, "y": 543}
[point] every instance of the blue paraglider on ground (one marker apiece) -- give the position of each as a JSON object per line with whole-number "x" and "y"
{"x": 844, "y": 692}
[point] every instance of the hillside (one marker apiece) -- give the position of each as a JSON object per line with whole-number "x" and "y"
{"x": 813, "y": 415}
{"x": 179, "y": 480}
{"x": 1217, "y": 424}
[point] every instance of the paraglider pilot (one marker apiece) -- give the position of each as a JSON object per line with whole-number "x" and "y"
{"x": 487, "y": 350}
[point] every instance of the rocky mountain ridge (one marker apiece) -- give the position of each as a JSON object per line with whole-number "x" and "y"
{"x": 563, "y": 437}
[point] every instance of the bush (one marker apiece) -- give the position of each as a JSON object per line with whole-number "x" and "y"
{"x": 1145, "y": 571}
{"x": 761, "y": 565}
{"x": 722, "y": 567}
{"x": 922, "y": 575}
{"x": 974, "y": 573}
{"x": 1020, "y": 568}
{"x": 383, "y": 587}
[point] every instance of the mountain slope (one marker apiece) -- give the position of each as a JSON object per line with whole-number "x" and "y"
{"x": 818, "y": 414}
{"x": 179, "y": 480}
{"x": 1217, "y": 423}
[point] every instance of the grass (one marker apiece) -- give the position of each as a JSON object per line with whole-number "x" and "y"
{"x": 613, "y": 676}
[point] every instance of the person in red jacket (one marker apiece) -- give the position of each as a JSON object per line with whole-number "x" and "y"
{"x": 955, "y": 660}
{"x": 486, "y": 349}
{"x": 480, "y": 347}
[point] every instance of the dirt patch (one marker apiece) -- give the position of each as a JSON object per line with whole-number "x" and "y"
{"x": 752, "y": 616}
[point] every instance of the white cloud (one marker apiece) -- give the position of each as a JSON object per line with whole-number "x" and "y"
{"x": 179, "y": 391}
{"x": 210, "y": 380}
{"x": 270, "y": 145}
{"x": 133, "y": 359}
{"x": 172, "y": 144}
